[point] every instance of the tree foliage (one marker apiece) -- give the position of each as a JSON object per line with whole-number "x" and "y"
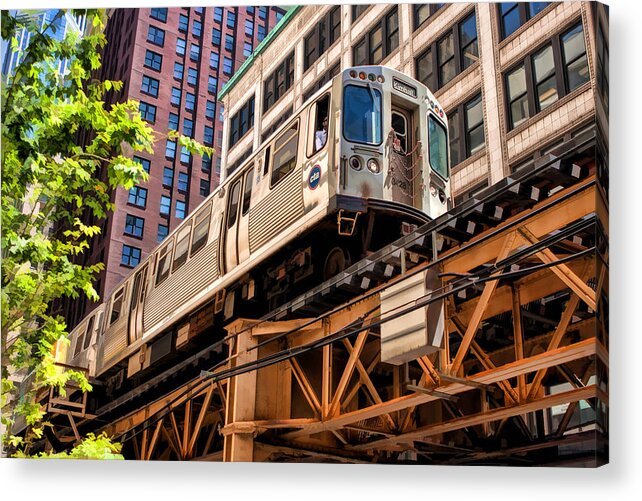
{"x": 50, "y": 183}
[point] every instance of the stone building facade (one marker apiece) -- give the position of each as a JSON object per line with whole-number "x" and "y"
{"x": 516, "y": 79}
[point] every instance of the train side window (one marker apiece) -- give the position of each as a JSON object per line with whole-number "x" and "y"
{"x": 233, "y": 208}
{"x": 318, "y": 124}
{"x": 266, "y": 161}
{"x": 79, "y": 340}
{"x": 164, "y": 260}
{"x": 89, "y": 332}
{"x": 285, "y": 151}
{"x": 182, "y": 246}
{"x": 135, "y": 289}
{"x": 201, "y": 230}
{"x": 247, "y": 193}
{"x": 117, "y": 306}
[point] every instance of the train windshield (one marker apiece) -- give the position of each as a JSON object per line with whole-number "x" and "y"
{"x": 362, "y": 114}
{"x": 438, "y": 147}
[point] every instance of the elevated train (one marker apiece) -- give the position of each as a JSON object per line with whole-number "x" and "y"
{"x": 297, "y": 211}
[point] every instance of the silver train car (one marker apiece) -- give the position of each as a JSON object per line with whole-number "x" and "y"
{"x": 362, "y": 162}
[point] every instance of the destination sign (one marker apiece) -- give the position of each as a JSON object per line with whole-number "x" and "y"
{"x": 404, "y": 88}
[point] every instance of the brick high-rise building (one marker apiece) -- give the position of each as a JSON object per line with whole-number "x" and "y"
{"x": 174, "y": 61}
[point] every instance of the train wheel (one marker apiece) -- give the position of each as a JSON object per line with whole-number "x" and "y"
{"x": 336, "y": 261}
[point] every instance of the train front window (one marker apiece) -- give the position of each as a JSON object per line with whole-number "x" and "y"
{"x": 438, "y": 147}
{"x": 362, "y": 114}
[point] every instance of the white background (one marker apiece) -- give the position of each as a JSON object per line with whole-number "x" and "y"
{"x": 53, "y": 480}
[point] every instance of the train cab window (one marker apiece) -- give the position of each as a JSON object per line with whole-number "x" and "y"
{"x": 182, "y": 246}
{"x": 79, "y": 341}
{"x": 164, "y": 260}
{"x": 201, "y": 230}
{"x": 233, "y": 207}
{"x": 284, "y": 158}
{"x": 89, "y": 332}
{"x": 247, "y": 192}
{"x": 318, "y": 133}
{"x": 117, "y": 306}
{"x": 266, "y": 161}
{"x": 438, "y": 147}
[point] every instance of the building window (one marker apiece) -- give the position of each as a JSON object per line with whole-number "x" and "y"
{"x": 168, "y": 177}
{"x": 194, "y": 52}
{"x": 183, "y": 23}
{"x": 421, "y": 12}
{"x": 513, "y": 14}
{"x": 212, "y": 83}
{"x": 206, "y": 165}
{"x": 466, "y": 128}
{"x": 153, "y": 60}
{"x": 379, "y": 43}
{"x": 180, "y": 46}
{"x": 188, "y": 127}
{"x": 357, "y": 10}
{"x": 178, "y": 71}
{"x": 324, "y": 34}
{"x": 170, "y": 149}
{"x": 262, "y": 32}
{"x": 165, "y": 205}
{"x": 249, "y": 27}
{"x": 190, "y": 101}
{"x": 145, "y": 164}
{"x": 130, "y": 256}
{"x": 182, "y": 181}
{"x": 172, "y": 121}
{"x": 186, "y": 156}
{"x": 180, "y": 209}
{"x": 156, "y": 36}
{"x": 574, "y": 55}
{"x": 149, "y": 86}
{"x": 278, "y": 82}
{"x": 214, "y": 60}
{"x": 210, "y": 109}
{"x": 218, "y": 14}
{"x": 204, "y": 188}
{"x": 231, "y": 19}
{"x": 147, "y": 111}
{"x": 159, "y": 14}
{"x": 242, "y": 122}
{"x": 547, "y": 75}
{"x": 229, "y": 42}
{"x": 263, "y": 12}
{"x": 450, "y": 55}
{"x": 161, "y": 234}
{"x": 134, "y": 225}
{"x": 216, "y": 36}
{"x": 227, "y": 65}
{"x": 176, "y": 96}
{"x": 208, "y": 135}
{"x": 137, "y": 196}
{"x": 192, "y": 76}
{"x": 250, "y": 11}
{"x": 197, "y": 28}
{"x": 247, "y": 49}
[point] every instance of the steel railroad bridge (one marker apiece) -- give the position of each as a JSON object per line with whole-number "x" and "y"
{"x": 519, "y": 374}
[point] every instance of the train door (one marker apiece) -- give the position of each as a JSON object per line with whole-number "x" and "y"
{"x": 401, "y": 173}
{"x": 139, "y": 290}
{"x": 231, "y": 226}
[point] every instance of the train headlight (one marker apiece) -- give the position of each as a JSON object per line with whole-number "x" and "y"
{"x": 381, "y": 79}
{"x": 442, "y": 196}
{"x": 356, "y": 163}
{"x": 433, "y": 190}
{"x": 373, "y": 166}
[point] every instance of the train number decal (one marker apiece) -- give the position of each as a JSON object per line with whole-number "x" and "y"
{"x": 315, "y": 177}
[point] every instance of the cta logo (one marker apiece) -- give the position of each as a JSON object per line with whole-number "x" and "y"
{"x": 315, "y": 177}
